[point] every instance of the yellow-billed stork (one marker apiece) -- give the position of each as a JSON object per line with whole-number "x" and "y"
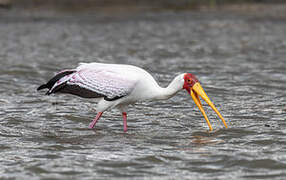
{"x": 118, "y": 85}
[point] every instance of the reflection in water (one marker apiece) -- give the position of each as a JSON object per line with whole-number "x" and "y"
{"x": 239, "y": 61}
{"x": 200, "y": 140}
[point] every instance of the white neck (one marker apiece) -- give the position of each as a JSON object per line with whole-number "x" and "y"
{"x": 173, "y": 88}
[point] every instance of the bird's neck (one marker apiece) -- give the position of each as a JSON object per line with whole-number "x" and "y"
{"x": 173, "y": 88}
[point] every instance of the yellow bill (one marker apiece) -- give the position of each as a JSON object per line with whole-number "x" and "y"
{"x": 197, "y": 91}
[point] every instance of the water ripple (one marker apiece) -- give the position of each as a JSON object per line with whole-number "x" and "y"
{"x": 240, "y": 63}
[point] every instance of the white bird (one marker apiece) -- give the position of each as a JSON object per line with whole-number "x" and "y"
{"x": 118, "y": 85}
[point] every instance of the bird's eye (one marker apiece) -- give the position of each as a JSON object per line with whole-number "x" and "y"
{"x": 189, "y": 80}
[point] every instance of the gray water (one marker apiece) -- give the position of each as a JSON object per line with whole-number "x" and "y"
{"x": 240, "y": 61}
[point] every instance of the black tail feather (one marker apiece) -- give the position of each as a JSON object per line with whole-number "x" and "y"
{"x": 43, "y": 86}
{"x": 52, "y": 81}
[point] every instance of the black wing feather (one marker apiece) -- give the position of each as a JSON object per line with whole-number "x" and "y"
{"x": 72, "y": 89}
{"x": 52, "y": 81}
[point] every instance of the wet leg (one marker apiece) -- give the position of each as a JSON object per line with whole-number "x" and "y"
{"x": 124, "y": 114}
{"x": 92, "y": 124}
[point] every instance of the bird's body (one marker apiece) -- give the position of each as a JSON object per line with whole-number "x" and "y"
{"x": 114, "y": 85}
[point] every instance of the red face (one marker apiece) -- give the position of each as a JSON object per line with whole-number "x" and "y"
{"x": 190, "y": 80}
{"x": 194, "y": 88}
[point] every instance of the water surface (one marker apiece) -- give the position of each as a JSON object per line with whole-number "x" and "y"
{"x": 240, "y": 61}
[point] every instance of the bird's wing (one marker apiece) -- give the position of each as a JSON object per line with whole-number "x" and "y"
{"x": 109, "y": 84}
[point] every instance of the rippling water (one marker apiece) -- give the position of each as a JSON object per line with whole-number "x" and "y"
{"x": 240, "y": 61}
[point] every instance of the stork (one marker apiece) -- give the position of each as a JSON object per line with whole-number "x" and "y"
{"x": 118, "y": 85}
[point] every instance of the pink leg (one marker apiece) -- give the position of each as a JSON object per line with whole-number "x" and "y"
{"x": 92, "y": 124}
{"x": 124, "y": 114}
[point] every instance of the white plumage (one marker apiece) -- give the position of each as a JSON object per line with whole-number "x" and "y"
{"x": 115, "y": 85}
{"x": 107, "y": 82}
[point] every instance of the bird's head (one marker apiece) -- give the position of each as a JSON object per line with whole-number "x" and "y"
{"x": 194, "y": 88}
